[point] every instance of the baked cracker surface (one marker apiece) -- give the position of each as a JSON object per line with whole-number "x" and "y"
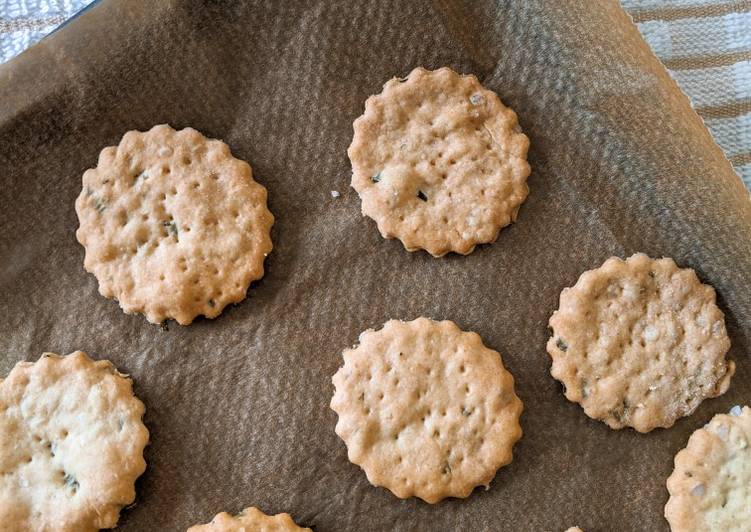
{"x": 71, "y": 445}
{"x": 173, "y": 225}
{"x": 639, "y": 343}
{"x": 425, "y": 409}
{"x": 710, "y": 487}
{"x": 439, "y": 162}
{"x": 249, "y": 520}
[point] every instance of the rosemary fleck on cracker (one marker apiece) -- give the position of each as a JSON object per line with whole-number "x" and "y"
{"x": 426, "y": 409}
{"x": 250, "y": 519}
{"x": 710, "y": 488}
{"x": 439, "y": 162}
{"x": 639, "y": 343}
{"x": 71, "y": 445}
{"x": 173, "y": 225}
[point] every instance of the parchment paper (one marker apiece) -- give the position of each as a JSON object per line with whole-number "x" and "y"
{"x": 238, "y": 406}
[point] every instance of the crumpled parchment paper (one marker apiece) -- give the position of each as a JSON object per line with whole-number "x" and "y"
{"x": 238, "y": 406}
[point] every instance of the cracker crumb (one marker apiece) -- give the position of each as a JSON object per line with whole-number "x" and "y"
{"x": 335, "y": 194}
{"x": 736, "y": 410}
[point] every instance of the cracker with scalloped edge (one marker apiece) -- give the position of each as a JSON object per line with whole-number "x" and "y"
{"x": 250, "y": 519}
{"x": 639, "y": 343}
{"x": 71, "y": 444}
{"x": 439, "y": 162}
{"x": 425, "y": 409}
{"x": 173, "y": 225}
{"x": 710, "y": 487}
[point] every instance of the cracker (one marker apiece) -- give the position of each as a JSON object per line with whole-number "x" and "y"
{"x": 710, "y": 487}
{"x": 173, "y": 225}
{"x": 574, "y": 529}
{"x": 439, "y": 162}
{"x": 250, "y": 519}
{"x": 639, "y": 343}
{"x": 426, "y": 409}
{"x": 71, "y": 444}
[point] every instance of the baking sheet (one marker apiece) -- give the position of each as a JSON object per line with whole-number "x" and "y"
{"x": 238, "y": 406}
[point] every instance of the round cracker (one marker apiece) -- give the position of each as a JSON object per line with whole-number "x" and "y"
{"x": 249, "y": 519}
{"x": 710, "y": 487}
{"x": 71, "y": 444}
{"x": 426, "y": 409}
{"x": 173, "y": 225}
{"x": 439, "y": 162}
{"x": 639, "y": 343}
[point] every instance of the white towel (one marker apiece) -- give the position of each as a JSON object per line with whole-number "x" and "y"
{"x": 706, "y": 46}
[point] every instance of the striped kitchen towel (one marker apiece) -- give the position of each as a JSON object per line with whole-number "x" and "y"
{"x": 24, "y": 22}
{"x": 706, "y": 46}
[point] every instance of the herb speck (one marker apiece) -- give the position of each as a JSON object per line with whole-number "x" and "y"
{"x": 99, "y": 204}
{"x": 211, "y": 302}
{"x": 421, "y": 195}
{"x": 71, "y": 482}
{"x": 172, "y": 228}
{"x": 560, "y": 344}
{"x": 622, "y": 414}
{"x": 376, "y": 178}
